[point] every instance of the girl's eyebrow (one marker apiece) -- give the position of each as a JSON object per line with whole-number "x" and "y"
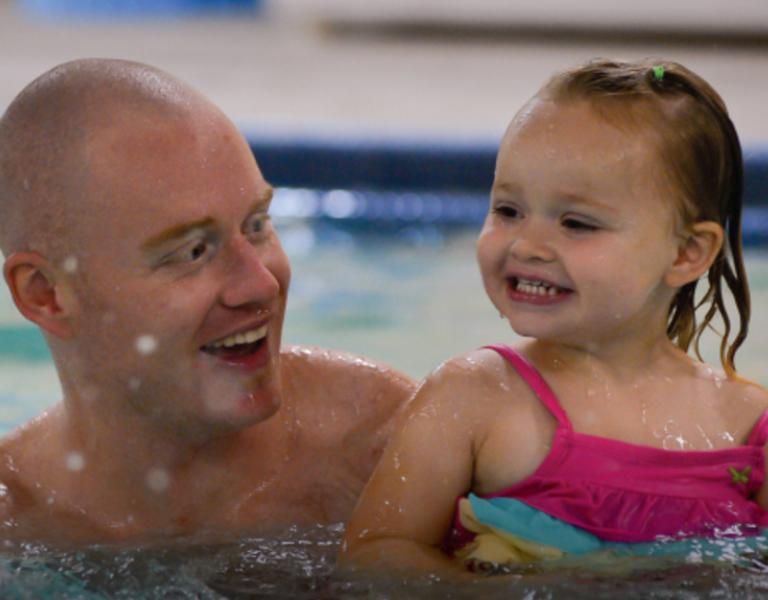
{"x": 511, "y": 188}
{"x": 587, "y": 201}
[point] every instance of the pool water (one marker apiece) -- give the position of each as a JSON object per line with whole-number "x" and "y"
{"x": 408, "y": 295}
{"x": 299, "y": 565}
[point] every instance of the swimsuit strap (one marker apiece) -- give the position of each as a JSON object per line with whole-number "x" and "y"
{"x": 759, "y": 434}
{"x": 533, "y": 378}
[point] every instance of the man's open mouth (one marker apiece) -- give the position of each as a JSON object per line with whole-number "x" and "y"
{"x": 238, "y": 345}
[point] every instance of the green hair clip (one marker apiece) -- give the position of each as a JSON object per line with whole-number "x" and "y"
{"x": 658, "y": 72}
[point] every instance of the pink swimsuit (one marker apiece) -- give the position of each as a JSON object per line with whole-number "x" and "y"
{"x": 629, "y": 493}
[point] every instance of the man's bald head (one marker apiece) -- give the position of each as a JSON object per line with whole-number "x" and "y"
{"x": 47, "y": 131}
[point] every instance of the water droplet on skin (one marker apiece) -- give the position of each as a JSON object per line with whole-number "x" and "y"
{"x": 705, "y": 437}
{"x": 146, "y": 344}
{"x": 158, "y": 480}
{"x": 75, "y": 461}
{"x": 70, "y": 264}
{"x": 50, "y": 500}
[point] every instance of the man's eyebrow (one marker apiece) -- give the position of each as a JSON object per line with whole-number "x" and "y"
{"x": 179, "y": 231}
{"x": 265, "y": 197}
{"x": 175, "y": 232}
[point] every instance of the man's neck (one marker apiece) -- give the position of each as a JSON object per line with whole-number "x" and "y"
{"x": 127, "y": 473}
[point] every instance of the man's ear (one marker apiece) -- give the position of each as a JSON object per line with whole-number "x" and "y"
{"x": 698, "y": 249}
{"x": 37, "y": 293}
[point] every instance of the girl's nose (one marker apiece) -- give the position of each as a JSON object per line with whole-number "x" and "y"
{"x": 532, "y": 243}
{"x": 252, "y": 275}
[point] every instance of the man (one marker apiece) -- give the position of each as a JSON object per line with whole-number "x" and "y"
{"x": 134, "y": 221}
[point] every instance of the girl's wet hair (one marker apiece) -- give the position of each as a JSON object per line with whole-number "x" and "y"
{"x": 701, "y": 158}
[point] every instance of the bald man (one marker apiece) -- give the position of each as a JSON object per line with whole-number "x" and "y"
{"x": 135, "y": 227}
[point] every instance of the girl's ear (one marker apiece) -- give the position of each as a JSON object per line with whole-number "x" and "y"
{"x": 37, "y": 293}
{"x": 698, "y": 249}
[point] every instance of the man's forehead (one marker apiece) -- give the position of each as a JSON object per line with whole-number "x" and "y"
{"x": 132, "y": 134}
{"x": 171, "y": 153}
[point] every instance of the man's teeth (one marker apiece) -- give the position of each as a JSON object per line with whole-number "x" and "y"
{"x": 247, "y": 337}
{"x": 537, "y": 288}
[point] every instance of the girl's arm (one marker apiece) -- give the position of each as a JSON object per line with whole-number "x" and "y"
{"x": 406, "y": 510}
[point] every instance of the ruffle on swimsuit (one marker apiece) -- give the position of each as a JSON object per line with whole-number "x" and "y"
{"x": 590, "y": 493}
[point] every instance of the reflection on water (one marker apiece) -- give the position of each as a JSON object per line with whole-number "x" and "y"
{"x": 299, "y": 565}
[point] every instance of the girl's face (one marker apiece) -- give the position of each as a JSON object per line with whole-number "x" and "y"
{"x": 580, "y": 233}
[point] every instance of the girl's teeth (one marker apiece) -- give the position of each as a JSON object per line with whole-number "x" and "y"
{"x": 535, "y": 288}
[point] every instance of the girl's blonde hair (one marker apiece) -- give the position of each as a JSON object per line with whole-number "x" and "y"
{"x": 701, "y": 158}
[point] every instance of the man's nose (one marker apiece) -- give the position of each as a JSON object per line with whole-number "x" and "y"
{"x": 250, "y": 279}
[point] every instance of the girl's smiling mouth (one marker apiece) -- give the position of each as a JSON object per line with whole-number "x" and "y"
{"x": 535, "y": 291}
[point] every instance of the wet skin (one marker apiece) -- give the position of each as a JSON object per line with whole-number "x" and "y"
{"x": 196, "y": 261}
{"x": 581, "y": 251}
{"x": 163, "y": 304}
{"x": 574, "y": 203}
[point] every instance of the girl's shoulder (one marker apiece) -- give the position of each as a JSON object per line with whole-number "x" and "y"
{"x": 743, "y": 402}
{"x": 740, "y": 390}
{"x": 479, "y": 375}
{"x": 749, "y": 393}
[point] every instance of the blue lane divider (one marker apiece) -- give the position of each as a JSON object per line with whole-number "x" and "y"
{"x": 134, "y": 9}
{"x": 371, "y": 164}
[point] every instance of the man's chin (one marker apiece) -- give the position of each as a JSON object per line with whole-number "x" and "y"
{"x": 244, "y": 410}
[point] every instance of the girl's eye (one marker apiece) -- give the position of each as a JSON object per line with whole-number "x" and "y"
{"x": 505, "y": 210}
{"x": 578, "y": 225}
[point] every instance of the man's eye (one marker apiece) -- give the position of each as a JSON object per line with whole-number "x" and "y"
{"x": 256, "y": 224}
{"x": 191, "y": 253}
{"x": 197, "y": 251}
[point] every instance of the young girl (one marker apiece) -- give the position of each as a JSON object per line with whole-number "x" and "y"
{"x": 618, "y": 186}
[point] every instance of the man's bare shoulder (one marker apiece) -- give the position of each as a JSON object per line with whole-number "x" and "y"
{"x": 21, "y": 466}
{"x": 345, "y": 394}
{"x": 344, "y": 379}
